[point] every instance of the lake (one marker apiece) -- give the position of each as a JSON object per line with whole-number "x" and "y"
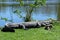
{"x": 42, "y": 13}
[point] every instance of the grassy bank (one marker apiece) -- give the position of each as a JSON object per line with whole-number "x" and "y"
{"x": 33, "y": 34}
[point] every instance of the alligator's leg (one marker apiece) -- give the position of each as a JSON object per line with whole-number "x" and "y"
{"x": 39, "y": 24}
{"x": 24, "y": 27}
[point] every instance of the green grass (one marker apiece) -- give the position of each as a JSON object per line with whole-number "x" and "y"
{"x": 33, "y": 34}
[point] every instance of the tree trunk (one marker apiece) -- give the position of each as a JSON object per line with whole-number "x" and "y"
{"x": 28, "y": 15}
{"x": 58, "y": 11}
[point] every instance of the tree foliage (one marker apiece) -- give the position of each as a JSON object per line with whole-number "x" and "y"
{"x": 30, "y": 7}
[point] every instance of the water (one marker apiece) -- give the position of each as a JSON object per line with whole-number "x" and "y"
{"x": 42, "y": 13}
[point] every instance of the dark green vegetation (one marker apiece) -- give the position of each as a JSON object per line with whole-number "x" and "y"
{"x": 33, "y": 34}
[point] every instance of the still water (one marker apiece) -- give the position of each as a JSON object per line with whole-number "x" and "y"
{"x": 42, "y": 13}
